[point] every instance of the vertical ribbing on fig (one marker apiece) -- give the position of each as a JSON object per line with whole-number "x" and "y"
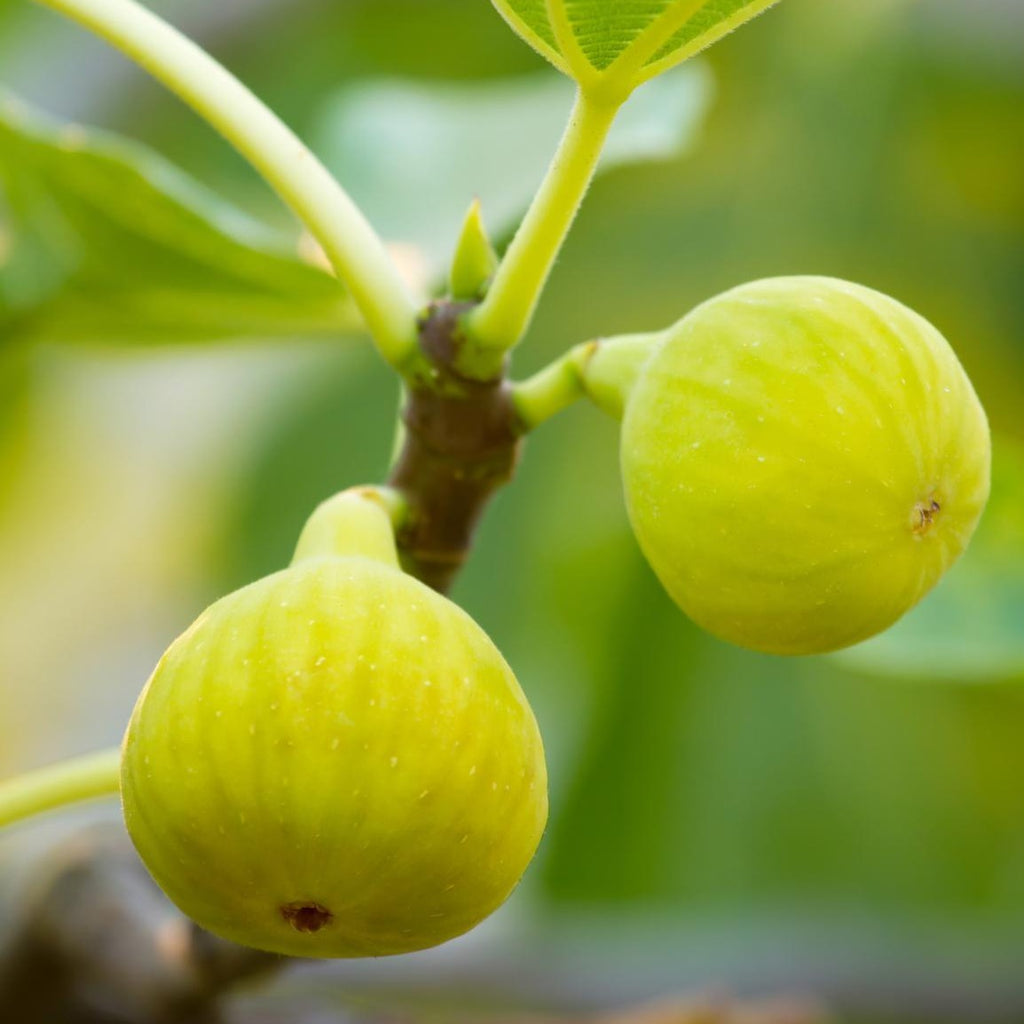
{"x": 353, "y": 247}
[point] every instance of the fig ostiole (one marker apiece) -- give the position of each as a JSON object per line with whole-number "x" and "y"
{"x": 335, "y": 761}
{"x": 802, "y": 460}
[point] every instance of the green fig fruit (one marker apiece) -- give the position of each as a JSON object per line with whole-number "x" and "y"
{"x": 802, "y": 458}
{"x": 334, "y": 762}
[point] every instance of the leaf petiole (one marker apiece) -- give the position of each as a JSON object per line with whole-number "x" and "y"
{"x": 498, "y": 323}
{"x": 353, "y": 247}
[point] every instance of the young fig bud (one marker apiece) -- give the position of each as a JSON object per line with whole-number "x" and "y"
{"x": 335, "y": 761}
{"x": 802, "y": 458}
{"x": 475, "y": 259}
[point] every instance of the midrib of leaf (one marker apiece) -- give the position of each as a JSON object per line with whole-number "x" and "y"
{"x": 605, "y": 31}
{"x": 628, "y": 65}
{"x": 530, "y": 19}
{"x": 712, "y": 12}
{"x": 715, "y": 19}
{"x": 568, "y": 42}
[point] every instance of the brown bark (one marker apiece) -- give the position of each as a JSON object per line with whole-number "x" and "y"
{"x": 97, "y": 943}
{"x": 462, "y": 441}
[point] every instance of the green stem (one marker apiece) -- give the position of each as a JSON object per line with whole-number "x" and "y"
{"x": 629, "y": 65}
{"x": 360, "y": 521}
{"x": 354, "y": 249}
{"x": 603, "y": 371}
{"x": 498, "y": 323}
{"x": 69, "y": 782}
{"x": 554, "y": 388}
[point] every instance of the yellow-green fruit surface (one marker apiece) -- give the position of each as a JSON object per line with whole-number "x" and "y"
{"x": 335, "y": 762}
{"x": 803, "y": 458}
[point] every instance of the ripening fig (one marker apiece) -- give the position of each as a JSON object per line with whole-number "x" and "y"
{"x": 803, "y": 458}
{"x": 335, "y": 761}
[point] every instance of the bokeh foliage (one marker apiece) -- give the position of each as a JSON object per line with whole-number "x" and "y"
{"x": 882, "y": 142}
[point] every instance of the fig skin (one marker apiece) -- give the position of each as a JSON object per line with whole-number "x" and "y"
{"x": 335, "y": 762}
{"x": 802, "y": 459}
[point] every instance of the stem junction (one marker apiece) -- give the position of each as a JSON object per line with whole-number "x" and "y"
{"x": 353, "y": 247}
{"x": 497, "y": 324}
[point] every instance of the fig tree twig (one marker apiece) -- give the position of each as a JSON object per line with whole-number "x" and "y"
{"x": 98, "y": 943}
{"x": 461, "y": 443}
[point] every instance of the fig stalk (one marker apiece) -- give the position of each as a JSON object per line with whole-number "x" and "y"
{"x": 359, "y": 521}
{"x": 603, "y": 370}
{"x": 67, "y": 782}
{"x": 306, "y": 186}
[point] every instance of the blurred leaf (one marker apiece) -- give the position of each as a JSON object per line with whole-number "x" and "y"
{"x": 701, "y": 784}
{"x": 720, "y": 781}
{"x": 104, "y": 241}
{"x": 37, "y": 252}
{"x": 16, "y": 373}
{"x": 475, "y": 259}
{"x": 713, "y": 781}
{"x": 970, "y": 629}
{"x": 414, "y": 155}
{"x": 602, "y": 31}
{"x": 339, "y": 433}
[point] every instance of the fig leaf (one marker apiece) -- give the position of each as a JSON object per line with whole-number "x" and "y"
{"x": 617, "y": 44}
{"x": 102, "y": 240}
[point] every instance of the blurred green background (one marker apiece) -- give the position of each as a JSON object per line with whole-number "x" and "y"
{"x": 851, "y": 826}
